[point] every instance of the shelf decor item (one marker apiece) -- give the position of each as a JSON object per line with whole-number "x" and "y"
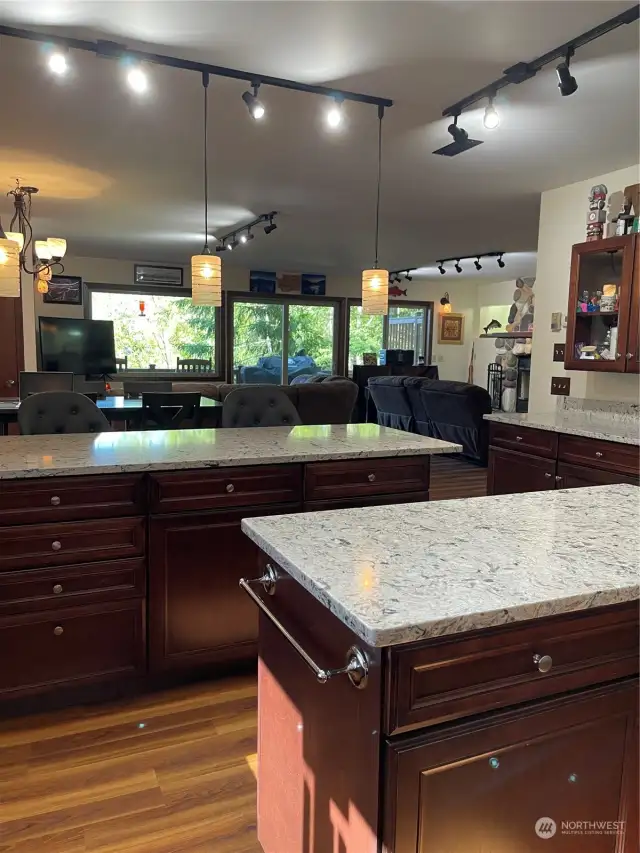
{"x": 596, "y": 216}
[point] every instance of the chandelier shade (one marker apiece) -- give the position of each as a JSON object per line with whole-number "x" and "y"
{"x": 17, "y": 237}
{"x": 375, "y": 291}
{"x": 206, "y": 280}
{"x": 58, "y": 247}
{"x": 9, "y": 268}
{"x": 42, "y": 250}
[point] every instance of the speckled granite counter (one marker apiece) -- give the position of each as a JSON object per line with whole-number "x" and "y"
{"x": 172, "y": 450}
{"x": 575, "y": 423}
{"x": 396, "y": 574}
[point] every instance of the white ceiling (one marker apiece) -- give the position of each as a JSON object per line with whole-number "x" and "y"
{"x": 120, "y": 175}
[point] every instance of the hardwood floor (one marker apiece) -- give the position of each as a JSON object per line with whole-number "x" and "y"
{"x": 169, "y": 772}
{"x": 456, "y": 478}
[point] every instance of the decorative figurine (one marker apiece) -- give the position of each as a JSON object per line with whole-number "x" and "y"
{"x": 624, "y": 220}
{"x": 596, "y": 217}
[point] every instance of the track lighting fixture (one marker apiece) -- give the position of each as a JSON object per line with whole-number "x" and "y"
{"x": 244, "y": 234}
{"x": 137, "y": 79}
{"x": 270, "y": 228}
{"x": 441, "y": 268}
{"x": 254, "y": 104}
{"x": 334, "y": 114}
{"x": 566, "y": 82}
{"x": 396, "y": 276}
{"x": 408, "y": 277}
{"x": 457, "y": 267}
{"x": 477, "y": 263}
{"x": 221, "y": 248}
{"x": 57, "y": 62}
{"x": 461, "y": 141}
{"x": 475, "y": 258}
{"x": 491, "y": 118}
{"x": 501, "y": 263}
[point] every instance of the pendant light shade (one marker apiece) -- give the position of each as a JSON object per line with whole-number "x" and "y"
{"x": 375, "y": 292}
{"x": 206, "y": 280}
{"x": 9, "y": 267}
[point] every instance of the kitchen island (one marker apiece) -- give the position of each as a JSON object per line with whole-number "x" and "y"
{"x": 120, "y": 553}
{"x": 483, "y": 696}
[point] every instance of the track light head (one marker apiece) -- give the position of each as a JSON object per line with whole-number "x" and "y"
{"x": 457, "y": 266}
{"x": 566, "y": 82}
{"x": 137, "y": 80}
{"x": 57, "y": 62}
{"x": 491, "y": 118}
{"x": 234, "y": 244}
{"x": 461, "y": 141}
{"x": 408, "y": 277}
{"x": 335, "y": 114}
{"x": 501, "y": 263}
{"x": 477, "y": 263}
{"x": 243, "y": 238}
{"x": 254, "y": 104}
{"x": 441, "y": 268}
{"x": 221, "y": 248}
{"x": 268, "y": 229}
{"x": 228, "y": 247}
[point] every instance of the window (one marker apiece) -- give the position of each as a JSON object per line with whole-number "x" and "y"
{"x": 153, "y": 330}
{"x": 407, "y": 326}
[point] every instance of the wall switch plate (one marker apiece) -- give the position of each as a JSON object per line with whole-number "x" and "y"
{"x": 558, "y": 352}
{"x": 560, "y": 385}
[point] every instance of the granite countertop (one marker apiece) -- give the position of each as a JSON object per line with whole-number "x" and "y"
{"x": 395, "y": 574}
{"x": 173, "y": 450}
{"x": 575, "y": 423}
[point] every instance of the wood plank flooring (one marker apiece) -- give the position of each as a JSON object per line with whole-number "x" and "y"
{"x": 453, "y": 477}
{"x": 170, "y": 772}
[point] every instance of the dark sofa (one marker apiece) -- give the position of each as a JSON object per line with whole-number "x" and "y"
{"x": 451, "y": 411}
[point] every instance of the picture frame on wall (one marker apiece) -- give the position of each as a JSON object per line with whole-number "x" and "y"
{"x": 451, "y": 329}
{"x": 64, "y": 290}
{"x": 158, "y": 275}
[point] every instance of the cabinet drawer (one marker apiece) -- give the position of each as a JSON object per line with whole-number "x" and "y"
{"x": 71, "y": 646}
{"x": 608, "y": 455}
{"x": 37, "y": 589}
{"x": 577, "y": 476}
{"x": 70, "y": 498}
{"x": 441, "y": 680}
{"x": 33, "y": 546}
{"x": 362, "y": 477}
{"x": 524, "y": 439}
{"x": 226, "y": 487}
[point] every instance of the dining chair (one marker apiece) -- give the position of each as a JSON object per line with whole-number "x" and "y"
{"x": 51, "y": 412}
{"x": 170, "y": 410}
{"x": 258, "y": 406}
{"x": 122, "y": 363}
{"x": 33, "y": 382}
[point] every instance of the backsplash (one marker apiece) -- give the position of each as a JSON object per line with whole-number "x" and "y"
{"x": 627, "y": 412}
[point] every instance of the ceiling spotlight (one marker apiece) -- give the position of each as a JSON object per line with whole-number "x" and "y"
{"x": 457, "y": 266}
{"x": 477, "y": 263}
{"x": 491, "y": 118}
{"x": 243, "y": 238}
{"x": 221, "y": 247}
{"x": 408, "y": 277}
{"x": 501, "y": 263}
{"x": 566, "y": 82}
{"x": 461, "y": 141}
{"x": 254, "y": 104}
{"x": 233, "y": 244}
{"x": 57, "y": 62}
{"x": 229, "y": 247}
{"x": 137, "y": 80}
{"x": 248, "y": 236}
{"x": 270, "y": 227}
{"x": 441, "y": 268}
{"x": 335, "y": 114}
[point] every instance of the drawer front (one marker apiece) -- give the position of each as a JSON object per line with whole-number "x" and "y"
{"x": 38, "y": 545}
{"x": 37, "y": 589}
{"x": 578, "y": 476}
{"x": 71, "y": 646}
{"x": 442, "y": 680}
{"x": 607, "y": 455}
{"x": 362, "y": 477}
{"x": 527, "y": 440}
{"x": 226, "y": 487}
{"x": 70, "y": 498}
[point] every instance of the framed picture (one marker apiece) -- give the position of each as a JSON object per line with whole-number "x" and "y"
{"x": 262, "y": 282}
{"x": 151, "y": 274}
{"x": 64, "y": 290}
{"x": 313, "y": 285}
{"x": 451, "y": 328}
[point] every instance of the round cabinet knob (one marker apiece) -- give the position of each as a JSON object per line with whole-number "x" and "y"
{"x": 230, "y": 488}
{"x": 58, "y": 630}
{"x": 55, "y": 501}
{"x": 55, "y": 545}
{"x": 558, "y": 478}
{"x": 518, "y": 438}
{"x": 599, "y": 454}
{"x": 371, "y": 478}
{"x": 543, "y": 662}
{"x": 629, "y": 355}
{"x": 57, "y": 588}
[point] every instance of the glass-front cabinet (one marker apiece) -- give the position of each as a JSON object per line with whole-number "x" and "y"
{"x": 603, "y": 313}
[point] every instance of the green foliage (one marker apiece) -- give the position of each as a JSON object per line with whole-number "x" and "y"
{"x": 366, "y": 334}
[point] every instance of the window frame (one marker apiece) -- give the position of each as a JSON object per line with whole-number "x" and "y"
{"x": 406, "y": 303}
{"x": 215, "y": 375}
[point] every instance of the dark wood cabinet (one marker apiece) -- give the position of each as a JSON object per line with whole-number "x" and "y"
{"x": 604, "y": 339}
{"x": 510, "y": 473}
{"x": 579, "y": 476}
{"x": 467, "y": 788}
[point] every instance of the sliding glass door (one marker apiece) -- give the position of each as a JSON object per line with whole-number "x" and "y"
{"x": 407, "y": 326}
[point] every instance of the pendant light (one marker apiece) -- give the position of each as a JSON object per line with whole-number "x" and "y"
{"x": 206, "y": 269}
{"x": 375, "y": 282}
{"x": 9, "y": 266}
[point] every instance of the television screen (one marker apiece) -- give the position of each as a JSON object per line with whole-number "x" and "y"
{"x": 83, "y": 347}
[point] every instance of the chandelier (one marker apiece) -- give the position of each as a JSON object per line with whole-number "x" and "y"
{"x": 46, "y": 254}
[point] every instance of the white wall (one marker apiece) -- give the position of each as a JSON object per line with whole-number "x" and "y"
{"x": 563, "y": 216}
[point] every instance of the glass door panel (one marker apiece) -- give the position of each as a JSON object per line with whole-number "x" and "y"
{"x": 407, "y": 329}
{"x": 257, "y": 342}
{"x": 366, "y": 335}
{"x": 311, "y": 340}
{"x": 600, "y": 294}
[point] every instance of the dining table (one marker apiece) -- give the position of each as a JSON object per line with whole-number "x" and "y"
{"x": 116, "y": 408}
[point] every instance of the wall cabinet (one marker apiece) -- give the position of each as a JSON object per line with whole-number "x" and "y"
{"x": 604, "y": 306}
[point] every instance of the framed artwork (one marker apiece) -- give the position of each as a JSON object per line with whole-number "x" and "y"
{"x": 64, "y": 290}
{"x": 313, "y": 285}
{"x": 289, "y": 282}
{"x": 262, "y": 282}
{"x": 151, "y": 274}
{"x": 451, "y": 328}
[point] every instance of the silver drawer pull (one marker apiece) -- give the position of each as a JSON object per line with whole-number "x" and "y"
{"x": 230, "y": 488}
{"x": 55, "y": 501}
{"x": 518, "y": 438}
{"x": 548, "y": 475}
{"x": 371, "y": 478}
{"x": 55, "y": 545}
{"x": 58, "y": 631}
{"x": 356, "y": 664}
{"x": 543, "y": 662}
{"x": 599, "y": 454}
{"x": 57, "y": 588}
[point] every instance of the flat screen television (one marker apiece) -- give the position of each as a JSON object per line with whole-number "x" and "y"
{"x": 83, "y": 347}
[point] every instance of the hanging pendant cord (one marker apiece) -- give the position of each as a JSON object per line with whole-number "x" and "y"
{"x": 205, "y": 84}
{"x": 380, "y": 116}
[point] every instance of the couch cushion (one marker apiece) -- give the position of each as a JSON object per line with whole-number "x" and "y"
{"x": 392, "y": 402}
